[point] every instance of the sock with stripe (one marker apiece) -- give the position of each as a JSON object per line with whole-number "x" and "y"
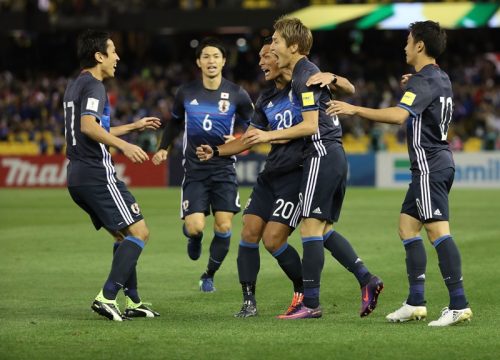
{"x": 416, "y": 263}
{"x": 289, "y": 260}
{"x": 130, "y": 288}
{"x": 450, "y": 265}
{"x": 218, "y": 251}
{"x": 124, "y": 261}
{"x": 312, "y": 265}
{"x": 248, "y": 268}
{"x": 343, "y": 252}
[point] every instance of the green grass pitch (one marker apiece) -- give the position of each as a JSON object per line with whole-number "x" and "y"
{"x": 53, "y": 263}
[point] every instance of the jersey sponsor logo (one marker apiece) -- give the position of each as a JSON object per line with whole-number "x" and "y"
{"x": 224, "y": 95}
{"x": 408, "y": 98}
{"x": 224, "y": 106}
{"x": 317, "y": 211}
{"x": 308, "y": 98}
{"x": 438, "y": 212}
{"x": 135, "y": 208}
{"x": 194, "y": 102}
{"x": 92, "y": 104}
{"x": 270, "y": 104}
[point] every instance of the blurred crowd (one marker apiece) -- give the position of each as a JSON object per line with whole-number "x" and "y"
{"x": 31, "y": 106}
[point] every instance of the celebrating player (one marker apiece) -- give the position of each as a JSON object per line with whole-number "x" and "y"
{"x": 92, "y": 181}
{"x": 426, "y": 107}
{"x": 325, "y": 170}
{"x": 209, "y": 108}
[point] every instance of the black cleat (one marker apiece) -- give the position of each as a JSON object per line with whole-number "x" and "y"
{"x": 247, "y": 310}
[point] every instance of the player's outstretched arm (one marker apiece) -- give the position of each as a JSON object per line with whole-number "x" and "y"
{"x": 93, "y": 130}
{"x": 337, "y": 83}
{"x": 308, "y": 126}
{"x": 391, "y": 115}
{"x": 151, "y": 123}
{"x": 230, "y": 147}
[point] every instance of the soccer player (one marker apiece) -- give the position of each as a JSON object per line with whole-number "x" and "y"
{"x": 92, "y": 181}
{"x": 426, "y": 107}
{"x": 209, "y": 107}
{"x": 325, "y": 170}
{"x": 273, "y": 207}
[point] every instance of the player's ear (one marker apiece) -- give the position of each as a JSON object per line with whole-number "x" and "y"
{"x": 98, "y": 57}
{"x": 223, "y": 61}
{"x": 294, "y": 48}
{"x": 198, "y": 63}
{"x": 420, "y": 46}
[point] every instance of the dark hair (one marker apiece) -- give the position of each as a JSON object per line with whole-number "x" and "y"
{"x": 432, "y": 35}
{"x": 90, "y": 42}
{"x": 210, "y": 41}
{"x": 268, "y": 40}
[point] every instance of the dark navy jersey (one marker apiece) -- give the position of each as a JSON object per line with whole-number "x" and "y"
{"x": 208, "y": 116}
{"x": 274, "y": 111}
{"x": 310, "y": 98}
{"x": 89, "y": 161}
{"x": 429, "y": 100}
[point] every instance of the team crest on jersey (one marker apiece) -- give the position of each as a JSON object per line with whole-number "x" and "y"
{"x": 185, "y": 205}
{"x": 224, "y": 106}
{"x": 135, "y": 208}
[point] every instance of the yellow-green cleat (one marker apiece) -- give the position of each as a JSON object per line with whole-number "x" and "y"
{"x": 139, "y": 309}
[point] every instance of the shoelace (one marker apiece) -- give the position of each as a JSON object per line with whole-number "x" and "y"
{"x": 296, "y": 301}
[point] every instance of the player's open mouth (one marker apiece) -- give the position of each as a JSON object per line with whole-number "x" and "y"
{"x": 266, "y": 71}
{"x": 212, "y": 68}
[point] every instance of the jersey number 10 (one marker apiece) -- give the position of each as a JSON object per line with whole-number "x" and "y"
{"x": 446, "y": 113}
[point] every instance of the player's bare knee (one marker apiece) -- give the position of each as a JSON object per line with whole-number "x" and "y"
{"x": 223, "y": 227}
{"x": 273, "y": 241}
{"x": 195, "y": 227}
{"x": 139, "y": 230}
{"x": 250, "y": 235}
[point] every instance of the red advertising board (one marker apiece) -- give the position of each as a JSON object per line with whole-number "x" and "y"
{"x": 50, "y": 171}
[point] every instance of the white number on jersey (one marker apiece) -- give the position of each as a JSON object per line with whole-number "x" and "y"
{"x": 286, "y": 209}
{"x": 284, "y": 120}
{"x": 207, "y": 123}
{"x": 446, "y": 114}
{"x": 70, "y": 105}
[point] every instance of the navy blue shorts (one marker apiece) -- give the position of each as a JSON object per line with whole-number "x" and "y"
{"x": 427, "y": 196}
{"x": 324, "y": 184}
{"x": 218, "y": 191}
{"x": 275, "y": 197}
{"x": 110, "y": 206}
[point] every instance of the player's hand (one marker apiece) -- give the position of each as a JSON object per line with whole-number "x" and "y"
{"x": 404, "y": 80}
{"x": 204, "y": 152}
{"x": 255, "y": 136}
{"x": 135, "y": 153}
{"x": 151, "y": 123}
{"x": 228, "y": 138}
{"x": 321, "y": 78}
{"x": 159, "y": 157}
{"x": 336, "y": 107}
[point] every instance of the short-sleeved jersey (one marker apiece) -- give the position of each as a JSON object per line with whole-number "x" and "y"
{"x": 429, "y": 100}
{"x": 208, "y": 116}
{"x": 89, "y": 161}
{"x": 274, "y": 110}
{"x": 310, "y": 98}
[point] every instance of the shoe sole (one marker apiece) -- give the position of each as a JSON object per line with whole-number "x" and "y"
{"x": 415, "y": 316}
{"x": 373, "y": 304}
{"x": 99, "y": 310}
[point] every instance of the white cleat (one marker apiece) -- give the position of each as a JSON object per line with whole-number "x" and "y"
{"x": 407, "y": 313}
{"x": 451, "y": 317}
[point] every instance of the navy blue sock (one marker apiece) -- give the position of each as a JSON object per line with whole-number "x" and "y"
{"x": 416, "y": 262}
{"x": 218, "y": 251}
{"x": 343, "y": 252}
{"x": 248, "y": 268}
{"x": 124, "y": 261}
{"x": 312, "y": 265}
{"x": 450, "y": 265}
{"x": 289, "y": 260}
{"x": 130, "y": 288}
